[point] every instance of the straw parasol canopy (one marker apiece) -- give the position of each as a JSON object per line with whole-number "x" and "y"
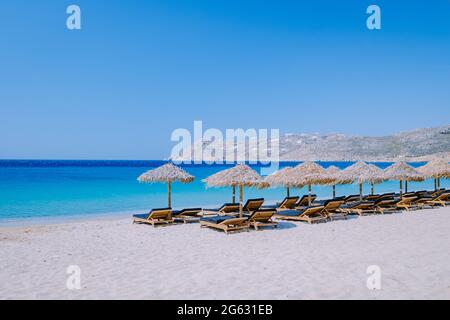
{"x": 362, "y": 172}
{"x": 239, "y": 176}
{"x": 310, "y": 173}
{"x": 334, "y": 172}
{"x": 283, "y": 178}
{"x": 403, "y": 172}
{"x": 437, "y": 169}
{"x": 167, "y": 173}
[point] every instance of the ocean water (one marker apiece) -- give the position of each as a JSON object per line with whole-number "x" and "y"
{"x": 32, "y": 189}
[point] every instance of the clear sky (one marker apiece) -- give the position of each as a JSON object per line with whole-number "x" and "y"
{"x": 140, "y": 69}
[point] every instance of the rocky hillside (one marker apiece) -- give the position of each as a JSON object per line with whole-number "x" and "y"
{"x": 417, "y": 145}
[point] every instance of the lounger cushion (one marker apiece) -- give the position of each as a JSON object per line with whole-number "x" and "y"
{"x": 176, "y": 213}
{"x": 356, "y": 204}
{"x": 290, "y": 213}
{"x": 222, "y": 207}
{"x": 217, "y": 219}
{"x": 141, "y": 216}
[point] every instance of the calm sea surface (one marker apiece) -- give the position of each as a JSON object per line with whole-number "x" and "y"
{"x": 32, "y": 189}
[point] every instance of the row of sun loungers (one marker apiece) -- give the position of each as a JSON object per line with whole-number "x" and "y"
{"x": 257, "y": 216}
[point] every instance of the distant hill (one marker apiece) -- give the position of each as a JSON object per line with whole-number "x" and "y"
{"x": 417, "y": 145}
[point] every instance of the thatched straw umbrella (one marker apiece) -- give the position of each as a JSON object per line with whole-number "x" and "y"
{"x": 167, "y": 173}
{"x": 436, "y": 169}
{"x": 283, "y": 178}
{"x": 221, "y": 175}
{"x": 239, "y": 176}
{"x": 403, "y": 172}
{"x": 362, "y": 172}
{"x": 334, "y": 173}
{"x": 310, "y": 173}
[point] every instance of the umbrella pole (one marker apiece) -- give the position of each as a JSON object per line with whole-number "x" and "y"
{"x": 288, "y": 191}
{"x": 241, "y": 196}
{"x": 401, "y": 188}
{"x": 334, "y": 191}
{"x": 439, "y": 183}
{"x": 373, "y": 188}
{"x": 169, "y": 197}
{"x": 435, "y": 185}
{"x": 234, "y": 194}
{"x": 360, "y": 190}
{"x": 406, "y": 186}
{"x": 309, "y": 195}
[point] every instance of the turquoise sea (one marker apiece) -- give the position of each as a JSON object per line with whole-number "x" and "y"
{"x": 51, "y": 189}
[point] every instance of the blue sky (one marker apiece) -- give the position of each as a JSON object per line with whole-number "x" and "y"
{"x": 140, "y": 69}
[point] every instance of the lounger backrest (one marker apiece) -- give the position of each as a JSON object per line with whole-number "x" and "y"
{"x": 442, "y": 196}
{"x": 372, "y": 197}
{"x": 385, "y": 202}
{"x": 304, "y": 200}
{"x": 409, "y": 194}
{"x": 229, "y": 207}
{"x": 388, "y": 194}
{"x": 253, "y": 204}
{"x": 312, "y": 210}
{"x": 353, "y": 197}
{"x": 363, "y": 205}
{"x": 407, "y": 200}
{"x": 164, "y": 213}
{"x": 234, "y": 221}
{"x": 385, "y": 197}
{"x": 439, "y": 192}
{"x": 289, "y": 202}
{"x": 262, "y": 215}
{"x": 189, "y": 212}
{"x": 333, "y": 205}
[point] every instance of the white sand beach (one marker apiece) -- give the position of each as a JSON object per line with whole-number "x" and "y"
{"x": 119, "y": 260}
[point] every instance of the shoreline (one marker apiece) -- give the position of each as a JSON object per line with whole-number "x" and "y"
{"x": 76, "y": 218}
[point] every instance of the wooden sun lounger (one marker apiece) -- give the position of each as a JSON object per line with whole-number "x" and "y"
{"x": 252, "y": 205}
{"x": 331, "y": 210}
{"x": 187, "y": 215}
{"x": 288, "y": 203}
{"x": 304, "y": 202}
{"x": 225, "y": 209}
{"x": 441, "y": 200}
{"x": 310, "y": 215}
{"x": 385, "y": 205}
{"x": 225, "y": 223}
{"x": 406, "y": 203}
{"x": 371, "y": 197}
{"x": 155, "y": 217}
{"x": 262, "y": 218}
{"x": 438, "y": 192}
{"x": 352, "y": 198}
{"x": 360, "y": 208}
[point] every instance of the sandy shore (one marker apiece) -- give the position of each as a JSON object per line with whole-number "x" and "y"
{"x": 298, "y": 261}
